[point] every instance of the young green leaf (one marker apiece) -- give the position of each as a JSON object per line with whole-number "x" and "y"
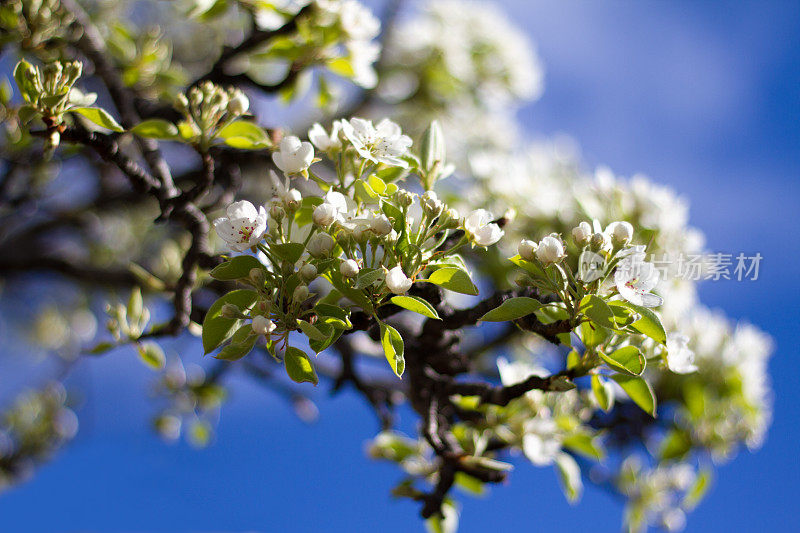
{"x": 334, "y": 315}
{"x": 628, "y": 360}
{"x": 368, "y": 276}
{"x": 639, "y": 391}
{"x": 598, "y": 311}
{"x": 586, "y": 445}
{"x": 649, "y": 324}
{"x": 241, "y": 344}
{"x": 152, "y": 355}
{"x": 311, "y": 331}
{"x": 512, "y": 309}
{"x": 569, "y": 474}
{"x": 604, "y": 397}
{"x": 416, "y": 304}
{"x": 238, "y": 267}
{"x": 299, "y": 367}
{"x": 289, "y": 251}
{"x": 453, "y": 279}
{"x": 216, "y": 328}
{"x": 156, "y": 128}
{"x": 393, "y": 348}
{"x": 99, "y": 116}
{"x": 244, "y": 134}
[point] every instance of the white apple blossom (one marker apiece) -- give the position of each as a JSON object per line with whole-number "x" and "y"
{"x": 238, "y": 104}
{"x": 384, "y": 143}
{"x": 335, "y": 207}
{"x": 358, "y": 22}
{"x": 527, "y": 249}
{"x": 635, "y": 278}
{"x": 320, "y": 245}
{"x": 243, "y": 226}
{"x": 680, "y": 359}
{"x": 293, "y": 156}
{"x": 322, "y": 140}
{"x": 263, "y": 325}
{"x": 480, "y": 228}
{"x": 582, "y": 233}
{"x": 550, "y": 250}
{"x": 380, "y": 225}
{"x": 397, "y": 281}
{"x": 349, "y": 268}
{"x": 541, "y": 442}
{"x": 621, "y": 232}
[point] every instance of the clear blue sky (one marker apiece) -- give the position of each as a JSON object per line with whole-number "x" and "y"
{"x": 703, "y": 96}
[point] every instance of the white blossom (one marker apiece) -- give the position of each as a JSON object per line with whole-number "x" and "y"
{"x": 324, "y": 214}
{"x": 550, "y": 250}
{"x": 541, "y": 442}
{"x": 293, "y": 156}
{"x": 349, "y": 268}
{"x": 322, "y": 140}
{"x": 481, "y": 229}
{"x": 527, "y": 249}
{"x": 620, "y": 232}
{"x": 384, "y": 143}
{"x": 397, "y": 281}
{"x": 635, "y": 278}
{"x": 243, "y": 226}
{"x": 380, "y": 225}
{"x": 582, "y": 233}
{"x": 680, "y": 359}
{"x": 320, "y": 245}
{"x": 263, "y": 325}
{"x": 358, "y": 22}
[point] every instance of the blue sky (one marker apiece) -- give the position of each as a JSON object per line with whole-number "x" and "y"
{"x": 703, "y": 96}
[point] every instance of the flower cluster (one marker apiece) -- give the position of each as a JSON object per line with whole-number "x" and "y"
{"x": 366, "y": 237}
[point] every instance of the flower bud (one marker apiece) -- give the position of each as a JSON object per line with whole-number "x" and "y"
{"x": 256, "y": 276}
{"x": 582, "y": 233}
{"x": 450, "y": 219}
{"x": 550, "y": 250}
{"x": 380, "y": 225}
{"x": 431, "y": 204}
{"x": 600, "y": 241}
{"x": 230, "y": 311}
{"x": 320, "y": 245}
{"x": 238, "y": 104}
{"x": 621, "y": 232}
{"x": 262, "y": 325}
{"x": 324, "y": 215}
{"x": 308, "y": 272}
{"x": 276, "y": 212}
{"x": 292, "y": 199}
{"x": 300, "y": 294}
{"x": 404, "y": 198}
{"x": 527, "y": 249}
{"x": 397, "y": 281}
{"x": 349, "y": 268}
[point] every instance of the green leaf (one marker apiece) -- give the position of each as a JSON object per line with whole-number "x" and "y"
{"x": 365, "y": 193}
{"x": 368, "y": 276}
{"x": 244, "y": 134}
{"x": 99, "y": 116}
{"x": 102, "y": 347}
{"x": 628, "y": 360}
{"x": 593, "y": 335}
{"x": 24, "y": 73}
{"x": 241, "y": 344}
{"x": 391, "y": 174}
{"x": 289, "y": 251}
{"x": 156, "y": 128}
{"x": 469, "y": 484}
{"x": 334, "y": 315}
{"x": 675, "y": 445}
{"x": 601, "y": 393}
{"x": 342, "y": 67}
{"x": 393, "y": 348}
{"x": 649, "y": 324}
{"x": 598, "y": 311}
{"x": 569, "y": 474}
{"x": 586, "y": 445}
{"x": 238, "y": 267}
{"x": 152, "y": 355}
{"x": 299, "y": 367}
{"x": 698, "y": 490}
{"x": 216, "y": 328}
{"x": 135, "y": 305}
{"x": 311, "y": 331}
{"x": 453, "y": 279}
{"x": 416, "y": 304}
{"x": 333, "y": 333}
{"x": 512, "y": 309}
{"x": 639, "y": 391}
